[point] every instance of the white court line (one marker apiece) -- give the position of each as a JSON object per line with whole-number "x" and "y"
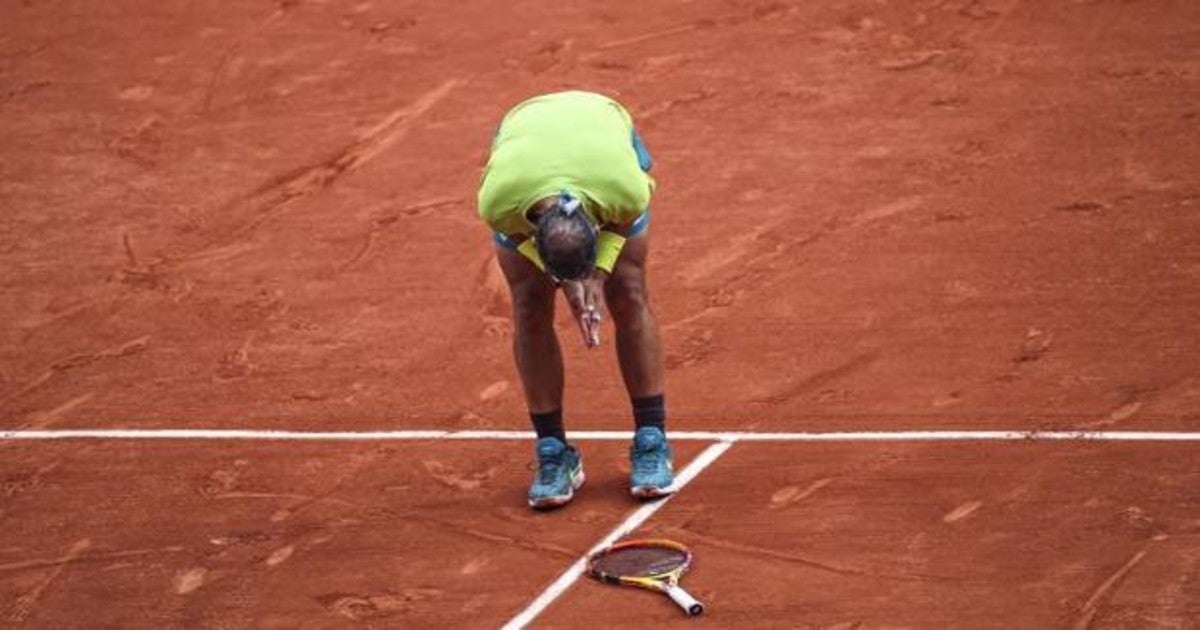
{"x": 639, "y": 516}
{"x": 706, "y": 436}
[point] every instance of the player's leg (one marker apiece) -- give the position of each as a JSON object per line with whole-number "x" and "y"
{"x": 639, "y": 347}
{"x": 639, "y": 352}
{"x": 540, "y": 365}
{"x": 535, "y": 345}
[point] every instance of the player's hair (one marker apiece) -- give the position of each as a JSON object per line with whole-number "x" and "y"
{"x": 566, "y": 239}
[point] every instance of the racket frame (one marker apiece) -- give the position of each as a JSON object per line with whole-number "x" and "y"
{"x": 667, "y": 582}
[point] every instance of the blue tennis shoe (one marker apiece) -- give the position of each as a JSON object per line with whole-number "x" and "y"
{"x": 651, "y": 472}
{"x": 559, "y": 474}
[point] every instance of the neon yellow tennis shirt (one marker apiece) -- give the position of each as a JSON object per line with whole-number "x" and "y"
{"x": 579, "y": 142}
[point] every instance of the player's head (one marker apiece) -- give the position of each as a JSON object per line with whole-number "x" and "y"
{"x": 566, "y": 239}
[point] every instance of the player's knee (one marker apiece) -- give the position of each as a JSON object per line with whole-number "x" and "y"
{"x": 533, "y": 308}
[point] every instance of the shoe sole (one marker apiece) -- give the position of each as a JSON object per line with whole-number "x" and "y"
{"x": 549, "y": 503}
{"x": 650, "y": 492}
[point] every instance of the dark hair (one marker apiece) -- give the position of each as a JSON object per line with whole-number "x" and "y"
{"x": 566, "y": 239}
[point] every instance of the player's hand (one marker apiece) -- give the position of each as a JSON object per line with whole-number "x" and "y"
{"x": 586, "y": 298}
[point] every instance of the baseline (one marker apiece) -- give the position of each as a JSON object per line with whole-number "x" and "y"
{"x": 705, "y": 436}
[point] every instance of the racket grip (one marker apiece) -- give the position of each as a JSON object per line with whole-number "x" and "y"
{"x": 689, "y": 604}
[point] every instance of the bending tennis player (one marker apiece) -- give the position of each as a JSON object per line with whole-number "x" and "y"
{"x": 566, "y": 192}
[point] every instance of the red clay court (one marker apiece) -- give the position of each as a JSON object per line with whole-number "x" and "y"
{"x": 971, "y": 218}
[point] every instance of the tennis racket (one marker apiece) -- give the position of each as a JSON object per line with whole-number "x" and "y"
{"x": 656, "y": 565}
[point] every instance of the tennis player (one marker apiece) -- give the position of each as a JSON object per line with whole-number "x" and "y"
{"x": 566, "y": 193}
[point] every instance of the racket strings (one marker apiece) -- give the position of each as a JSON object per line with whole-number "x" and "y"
{"x": 641, "y": 561}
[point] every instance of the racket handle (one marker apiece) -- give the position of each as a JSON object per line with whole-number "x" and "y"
{"x": 688, "y": 603}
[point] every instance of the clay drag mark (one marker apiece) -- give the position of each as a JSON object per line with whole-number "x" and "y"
{"x": 73, "y": 362}
{"x": 20, "y": 610}
{"x": 275, "y": 197}
{"x": 821, "y": 379}
{"x": 229, "y": 53}
{"x": 1092, "y": 606}
{"x": 388, "y": 218}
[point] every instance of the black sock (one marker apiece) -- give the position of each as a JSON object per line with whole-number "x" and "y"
{"x": 549, "y": 424}
{"x": 650, "y": 411}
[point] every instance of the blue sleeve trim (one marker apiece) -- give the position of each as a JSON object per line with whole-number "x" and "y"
{"x": 643, "y": 155}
